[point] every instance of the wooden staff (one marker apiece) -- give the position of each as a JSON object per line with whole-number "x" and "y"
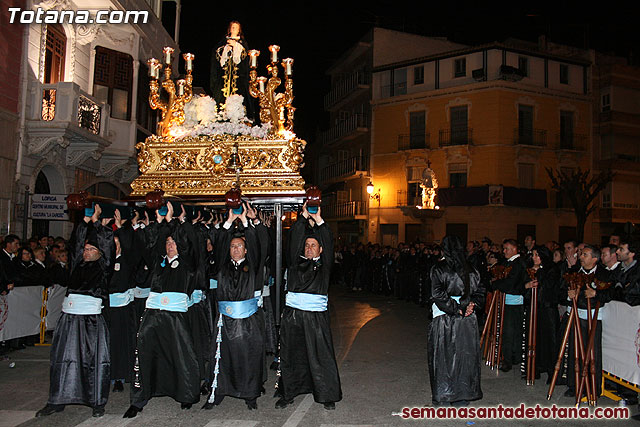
{"x": 488, "y": 321}
{"x": 556, "y": 370}
{"x": 531, "y": 343}
{"x": 490, "y": 349}
{"x": 578, "y": 344}
{"x": 499, "y": 353}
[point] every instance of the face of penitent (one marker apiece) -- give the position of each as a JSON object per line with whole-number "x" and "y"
{"x": 237, "y": 249}
{"x": 171, "y": 247}
{"x": 312, "y": 248}
{"x": 90, "y": 253}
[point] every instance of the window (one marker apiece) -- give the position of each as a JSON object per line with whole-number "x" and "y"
{"x": 147, "y": 118}
{"x": 523, "y": 65}
{"x": 460, "y": 67}
{"x": 417, "y": 127}
{"x": 54, "y": 54}
{"x": 606, "y": 102}
{"x": 564, "y": 74}
{"x": 399, "y": 86}
{"x": 418, "y": 75}
{"x": 113, "y": 81}
{"x": 459, "y": 129}
{"x": 606, "y": 196}
{"x": 414, "y": 194}
{"x": 525, "y": 124}
{"x": 566, "y": 129}
{"x": 526, "y": 175}
{"x": 457, "y": 175}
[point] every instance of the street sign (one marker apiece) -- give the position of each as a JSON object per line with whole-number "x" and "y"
{"x": 49, "y": 207}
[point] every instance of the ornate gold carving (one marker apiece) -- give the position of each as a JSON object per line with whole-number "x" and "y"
{"x": 145, "y": 157}
{"x": 177, "y": 160}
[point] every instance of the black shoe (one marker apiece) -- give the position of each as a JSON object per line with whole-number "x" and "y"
{"x": 98, "y": 411}
{"x": 283, "y": 403}
{"x": 204, "y": 389}
{"x": 505, "y": 367}
{"x": 216, "y": 402}
{"x": 132, "y": 412}
{"x": 49, "y": 409}
{"x": 330, "y": 406}
{"x": 251, "y": 404}
{"x": 570, "y": 393}
{"x": 460, "y": 403}
{"x": 118, "y": 386}
{"x": 185, "y": 406}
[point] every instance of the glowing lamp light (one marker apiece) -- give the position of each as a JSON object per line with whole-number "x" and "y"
{"x": 437, "y": 207}
{"x": 283, "y": 217}
{"x": 370, "y": 187}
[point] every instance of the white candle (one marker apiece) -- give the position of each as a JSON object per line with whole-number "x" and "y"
{"x": 181, "y": 84}
{"x": 254, "y": 58}
{"x": 261, "y": 82}
{"x": 274, "y": 48}
{"x": 167, "y": 54}
{"x": 287, "y": 63}
{"x": 188, "y": 59}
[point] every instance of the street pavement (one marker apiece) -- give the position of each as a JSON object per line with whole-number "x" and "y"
{"x": 381, "y": 348}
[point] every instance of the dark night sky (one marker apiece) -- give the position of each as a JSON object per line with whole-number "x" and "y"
{"x": 316, "y": 33}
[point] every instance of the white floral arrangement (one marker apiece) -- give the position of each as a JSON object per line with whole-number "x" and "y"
{"x": 203, "y": 118}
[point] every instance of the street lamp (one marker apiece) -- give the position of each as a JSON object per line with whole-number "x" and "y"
{"x": 375, "y": 196}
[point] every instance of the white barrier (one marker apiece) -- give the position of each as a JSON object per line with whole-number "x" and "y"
{"x": 20, "y": 310}
{"x": 621, "y": 341}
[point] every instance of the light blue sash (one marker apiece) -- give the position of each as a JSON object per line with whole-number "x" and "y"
{"x": 307, "y": 302}
{"x": 510, "y": 299}
{"x": 120, "y": 299}
{"x": 213, "y": 284}
{"x": 437, "y": 312}
{"x": 238, "y": 309}
{"x": 81, "y": 304}
{"x": 196, "y": 297}
{"x": 141, "y": 292}
{"x": 582, "y": 312}
{"x": 168, "y": 301}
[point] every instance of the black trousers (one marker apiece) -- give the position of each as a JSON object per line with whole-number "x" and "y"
{"x": 512, "y": 338}
{"x": 597, "y": 348}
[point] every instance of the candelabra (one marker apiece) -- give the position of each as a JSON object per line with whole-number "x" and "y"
{"x": 179, "y": 92}
{"x": 272, "y": 104}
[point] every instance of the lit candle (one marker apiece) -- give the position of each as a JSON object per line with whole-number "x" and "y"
{"x": 254, "y": 58}
{"x": 154, "y": 66}
{"x": 274, "y": 48}
{"x": 181, "y": 84}
{"x": 261, "y": 82}
{"x": 167, "y": 54}
{"x": 287, "y": 63}
{"x": 188, "y": 59}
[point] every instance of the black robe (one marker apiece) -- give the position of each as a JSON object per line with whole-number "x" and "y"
{"x": 548, "y": 326}
{"x": 307, "y": 358}
{"x": 241, "y": 370}
{"x": 167, "y": 363}
{"x": 80, "y": 360}
{"x": 122, "y": 320}
{"x": 454, "y": 341}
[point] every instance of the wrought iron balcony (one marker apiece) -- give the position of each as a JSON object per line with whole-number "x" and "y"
{"x": 345, "y": 87}
{"x": 345, "y": 210}
{"x": 413, "y": 141}
{"x": 405, "y": 199}
{"x": 347, "y": 129}
{"x": 462, "y": 136}
{"x": 571, "y": 141}
{"x": 345, "y": 168}
{"x": 528, "y": 136}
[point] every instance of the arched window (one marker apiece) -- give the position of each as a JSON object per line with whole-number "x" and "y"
{"x": 54, "y": 56}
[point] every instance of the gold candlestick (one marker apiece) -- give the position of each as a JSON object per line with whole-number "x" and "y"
{"x": 272, "y": 104}
{"x": 173, "y": 109}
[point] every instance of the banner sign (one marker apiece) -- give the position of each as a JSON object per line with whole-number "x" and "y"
{"x": 621, "y": 341}
{"x": 50, "y": 207}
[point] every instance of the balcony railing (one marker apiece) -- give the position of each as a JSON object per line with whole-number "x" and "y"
{"x": 345, "y": 128}
{"x": 463, "y": 136}
{"x": 413, "y": 141}
{"x": 345, "y": 168}
{"x": 527, "y": 136}
{"x": 348, "y": 209}
{"x": 404, "y": 199}
{"x": 345, "y": 87}
{"x": 66, "y": 103}
{"x": 571, "y": 141}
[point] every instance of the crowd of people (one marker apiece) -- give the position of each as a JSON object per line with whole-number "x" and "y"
{"x": 184, "y": 307}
